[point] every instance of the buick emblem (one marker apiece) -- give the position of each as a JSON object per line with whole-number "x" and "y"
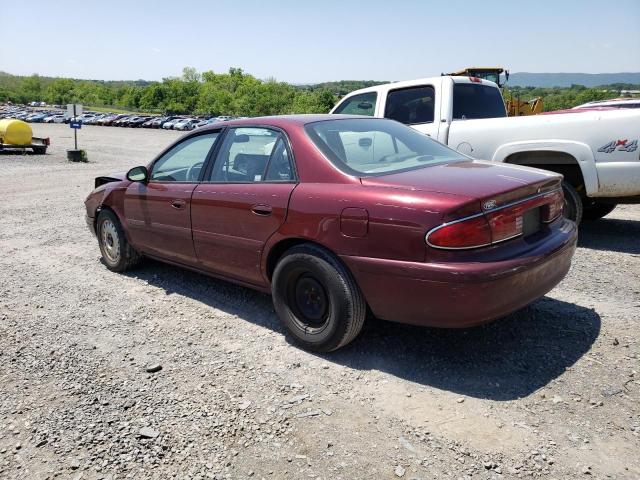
{"x": 489, "y": 205}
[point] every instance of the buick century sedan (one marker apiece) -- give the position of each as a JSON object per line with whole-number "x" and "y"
{"x": 339, "y": 217}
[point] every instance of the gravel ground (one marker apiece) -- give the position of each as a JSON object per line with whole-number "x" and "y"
{"x": 551, "y": 391}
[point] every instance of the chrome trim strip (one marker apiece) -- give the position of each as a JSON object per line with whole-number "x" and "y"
{"x": 426, "y": 237}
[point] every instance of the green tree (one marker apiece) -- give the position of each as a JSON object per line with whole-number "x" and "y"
{"x": 32, "y": 88}
{"x": 60, "y": 91}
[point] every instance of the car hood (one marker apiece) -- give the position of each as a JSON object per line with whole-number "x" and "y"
{"x": 472, "y": 179}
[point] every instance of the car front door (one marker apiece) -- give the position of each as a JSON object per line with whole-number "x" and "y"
{"x": 157, "y": 212}
{"x": 242, "y": 201}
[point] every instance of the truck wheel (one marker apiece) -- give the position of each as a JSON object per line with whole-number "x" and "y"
{"x": 117, "y": 254}
{"x": 572, "y": 203}
{"x": 598, "y": 210}
{"x": 317, "y": 299}
{"x": 39, "y": 150}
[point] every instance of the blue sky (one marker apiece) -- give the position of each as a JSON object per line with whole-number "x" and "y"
{"x": 312, "y": 41}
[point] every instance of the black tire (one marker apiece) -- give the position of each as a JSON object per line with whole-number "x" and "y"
{"x": 317, "y": 299}
{"x": 118, "y": 255}
{"x": 39, "y": 150}
{"x": 572, "y": 203}
{"x": 597, "y": 210}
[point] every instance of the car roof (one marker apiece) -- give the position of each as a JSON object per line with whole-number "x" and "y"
{"x": 283, "y": 121}
{"x": 384, "y": 88}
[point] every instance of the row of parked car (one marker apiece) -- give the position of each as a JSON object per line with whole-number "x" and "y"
{"x": 167, "y": 122}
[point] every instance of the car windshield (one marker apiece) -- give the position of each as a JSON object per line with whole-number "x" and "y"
{"x": 370, "y": 147}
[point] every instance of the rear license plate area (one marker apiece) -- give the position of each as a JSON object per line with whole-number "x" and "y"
{"x": 531, "y": 222}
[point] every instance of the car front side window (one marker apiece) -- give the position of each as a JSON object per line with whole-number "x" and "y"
{"x": 184, "y": 162}
{"x": 362, "y": 104}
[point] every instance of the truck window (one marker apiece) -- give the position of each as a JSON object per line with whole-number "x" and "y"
{"x": 411, "y": 105}
{"x": 363, "y": 104}
{"x": 473, "y": 100}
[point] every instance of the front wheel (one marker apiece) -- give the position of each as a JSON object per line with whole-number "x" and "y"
{"x": 572, "y": 203}
{"x": 597, "y": 210}
{"x": 317, "y": 299}
{"x": 118, "y": 255}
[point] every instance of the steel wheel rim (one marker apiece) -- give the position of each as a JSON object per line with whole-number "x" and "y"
{"x": 110, "y": 241}
{"x": 309, "y": 302}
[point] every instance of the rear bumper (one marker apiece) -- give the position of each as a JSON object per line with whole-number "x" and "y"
{"x": 457, "y": 295}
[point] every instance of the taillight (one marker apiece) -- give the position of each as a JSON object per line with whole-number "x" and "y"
{"x": 553, "y": 209}
{"x": 473, "y": 232}
{"x": 499, "y": 224}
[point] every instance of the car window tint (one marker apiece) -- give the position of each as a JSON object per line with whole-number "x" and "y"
{"x": 411, "y": 105}
{"x": 184, "y": 161}
{"x": 473, "y": 100}
{"x": 244, "y": 155}
{"x": 279, "y": 168}
{"x": 363, "y": 104}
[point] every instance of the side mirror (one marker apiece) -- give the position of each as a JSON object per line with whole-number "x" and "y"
{"x": 138, "y": 174}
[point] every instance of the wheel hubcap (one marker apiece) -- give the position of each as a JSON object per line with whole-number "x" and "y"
{"x": 311, "y": 301}
{"x": 110, "y": 243}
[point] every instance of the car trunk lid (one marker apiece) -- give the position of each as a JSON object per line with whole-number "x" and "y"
{"x": 497, "y": 202}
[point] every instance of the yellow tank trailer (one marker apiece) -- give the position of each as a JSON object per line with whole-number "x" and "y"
{"x": 16, "y": 134}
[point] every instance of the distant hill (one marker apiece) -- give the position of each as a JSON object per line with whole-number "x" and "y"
{"x": 527, "y": 79}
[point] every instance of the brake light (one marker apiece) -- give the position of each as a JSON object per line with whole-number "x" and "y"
{"x": 496, "y": 225}
{"x": 473, "y": 232}
{"x": 47, "y": 142}
{"x": 553, "y": 209}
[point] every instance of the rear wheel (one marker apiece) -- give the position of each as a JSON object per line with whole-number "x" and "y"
{"x": 598, "y": 210}
{"x": 117, "y": 254}
{"x": 317, "y": 299}
{"x": 572, "y": 203}
{"x": 39, "y": 150}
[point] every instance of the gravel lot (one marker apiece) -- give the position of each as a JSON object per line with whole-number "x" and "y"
{"x": 552, "y": 391}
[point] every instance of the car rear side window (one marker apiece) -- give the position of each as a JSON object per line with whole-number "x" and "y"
{"x": 362, "y": 104}
{"x": 474, "y": 100}
{"x": 252, "y": 154}
{"x": 411, "y": 105}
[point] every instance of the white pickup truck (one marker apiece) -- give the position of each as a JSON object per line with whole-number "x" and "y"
{"x": 596, "y": 150}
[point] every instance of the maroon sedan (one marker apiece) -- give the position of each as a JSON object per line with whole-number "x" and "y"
{"x": 336, "y": 215}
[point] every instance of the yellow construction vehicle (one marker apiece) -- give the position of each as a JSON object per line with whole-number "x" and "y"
{"x": 515, "y": 106}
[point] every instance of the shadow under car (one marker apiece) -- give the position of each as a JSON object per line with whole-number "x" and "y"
{"x": 507, "y": 359}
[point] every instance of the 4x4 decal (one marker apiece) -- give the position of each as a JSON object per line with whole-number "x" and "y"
{"x": 620, "y": 145}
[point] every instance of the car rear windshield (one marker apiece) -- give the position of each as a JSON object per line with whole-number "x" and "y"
{"x": 474, "y": 100}
{"x": 370, "y": 147}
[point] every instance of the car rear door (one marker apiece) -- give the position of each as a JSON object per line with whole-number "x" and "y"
{"x": 158, "y": 212}
{"x": 242, "y": 201}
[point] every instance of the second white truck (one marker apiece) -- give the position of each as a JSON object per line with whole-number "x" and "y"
{"x": 596, "y": 150}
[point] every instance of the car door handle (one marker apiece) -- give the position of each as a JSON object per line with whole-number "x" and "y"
{"x": 262, "y": 209}
{"x": 178, "y": 204}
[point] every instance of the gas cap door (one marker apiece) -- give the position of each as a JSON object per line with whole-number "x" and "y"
{"x": 354, "y": 222}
